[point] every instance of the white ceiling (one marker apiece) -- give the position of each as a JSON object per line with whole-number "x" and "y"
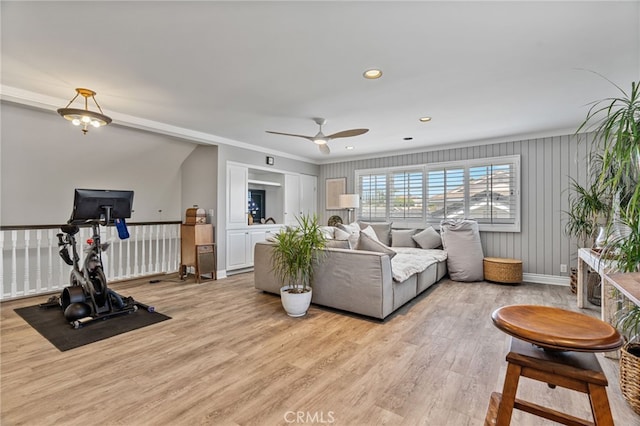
{"x": 227, "y": 71}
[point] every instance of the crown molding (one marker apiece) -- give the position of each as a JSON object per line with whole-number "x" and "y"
{"x": 48, "y": 103}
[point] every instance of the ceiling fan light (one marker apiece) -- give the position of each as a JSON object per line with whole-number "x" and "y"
{"x": 372, "y": 74}
{"x": 320, "y": 141}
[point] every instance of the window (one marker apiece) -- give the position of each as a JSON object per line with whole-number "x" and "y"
{"x": 373, "y": 196}
{"x": 487, "y": 190}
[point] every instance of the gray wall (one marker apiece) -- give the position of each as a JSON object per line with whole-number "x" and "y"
{"x": 44, "y": 157}
{"x": 546, "y": 165}
{"x": 200, "y": 181}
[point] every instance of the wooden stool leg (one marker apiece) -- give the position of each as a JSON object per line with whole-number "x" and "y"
{"x": 600, "y": 405}
{"x": 508, "y": 394}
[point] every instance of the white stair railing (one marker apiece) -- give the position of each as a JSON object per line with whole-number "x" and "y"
{"x": 30, "y": 264}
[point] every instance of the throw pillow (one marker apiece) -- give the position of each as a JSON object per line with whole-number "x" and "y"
{"x": 371, "y": 233}
{"x": 327, "y": 231}
{"x": 382, "y": 230}
{"x": 402, "y": 238}
{"x": 354, "y": 232}
{"x": 428, "y": 238}
{"x": 365, "y": 242}
{"x": 341, "y": 235}
{"x": 461, "y": 240}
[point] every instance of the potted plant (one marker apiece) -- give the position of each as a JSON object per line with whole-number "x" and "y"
{"x": 295, "y": 253}
{"x": 587, "y": 217}
{"x": 617, "y": 124}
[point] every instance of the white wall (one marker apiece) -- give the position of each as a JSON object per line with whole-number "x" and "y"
{"x": 44, "y": 157}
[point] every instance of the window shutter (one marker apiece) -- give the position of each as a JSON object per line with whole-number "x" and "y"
{"x": 373, "y": 197}
{"x": 446, "y": 194}
{"x": 405, "y": 200}
{"x": 492, "y": 193}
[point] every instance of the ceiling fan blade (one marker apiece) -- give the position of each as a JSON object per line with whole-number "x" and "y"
{"x": 291, "y": 134}
{"x": 324, "y": 148}
{"x": 348, "y": 133}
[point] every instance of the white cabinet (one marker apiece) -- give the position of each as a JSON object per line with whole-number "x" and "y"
{"x": 241, "y": 242}
{"x": 237, "y": 192}
{"x": 300, "y": 197}
{"x": 291, "y": 199}
{"x": 308, "y": 194}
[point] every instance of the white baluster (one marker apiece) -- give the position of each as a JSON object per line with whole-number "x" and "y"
{"x": 158, "y": 268}
{"x": 25, "y": 288}
{"x": 51, "y": 243}
{"x": 165, "y": 268}
{"x": 136, "y": 269}
{"x": 150, "y": 268}
{"x": 120, "y": 270}
{"x": 38, "y": 261}
{"x": 128, "y": 266}
{"x": 14, "y": 263}
{"x": 2, "y": 293}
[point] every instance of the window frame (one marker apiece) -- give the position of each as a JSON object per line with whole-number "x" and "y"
{"x": 424, "y": 169}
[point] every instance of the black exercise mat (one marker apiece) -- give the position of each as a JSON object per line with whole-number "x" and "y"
{"x": 51, "y": 324}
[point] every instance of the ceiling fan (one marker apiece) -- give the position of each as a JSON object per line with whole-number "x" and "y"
{"x": 320, "y": 139}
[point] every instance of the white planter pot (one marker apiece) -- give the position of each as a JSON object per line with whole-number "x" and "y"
{"x": 296, "y": 304}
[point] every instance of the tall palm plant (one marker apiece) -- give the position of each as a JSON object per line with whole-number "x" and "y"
{"x": 296, "y": 251}
{"x": 617, "y": 122}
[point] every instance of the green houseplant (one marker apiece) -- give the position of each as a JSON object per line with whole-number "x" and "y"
{"x": 296, "y": 252}
{"x": 616, "y": 121}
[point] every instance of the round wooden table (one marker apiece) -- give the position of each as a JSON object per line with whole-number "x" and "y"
{"x": 558, "y": 329}
{"x": 555, "y": 346}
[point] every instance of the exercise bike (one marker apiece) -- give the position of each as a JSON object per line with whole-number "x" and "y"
{"x": 89, "y": 298}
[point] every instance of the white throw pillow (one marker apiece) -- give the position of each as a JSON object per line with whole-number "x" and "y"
{"x": 328, "y": 232}
{"x": 371, "y": 233}
{"x": 428, "y": 238}
{"x": 365, "y": 242}
{"x": 354, "y": 232}
{"x": 340, "y": 234}
{"x": 402, "y": 238}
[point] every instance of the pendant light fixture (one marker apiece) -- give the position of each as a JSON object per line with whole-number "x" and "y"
{"x": 84, "y": 117}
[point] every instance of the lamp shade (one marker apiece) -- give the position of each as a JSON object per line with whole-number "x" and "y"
{"x": 349, "y": 201}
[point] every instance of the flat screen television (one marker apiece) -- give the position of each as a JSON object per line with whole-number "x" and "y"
{"x": 103, "y": 205}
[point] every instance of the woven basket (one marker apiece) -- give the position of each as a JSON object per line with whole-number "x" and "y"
{"x": 630, "y": 374}
{"x": 502, "y": 270}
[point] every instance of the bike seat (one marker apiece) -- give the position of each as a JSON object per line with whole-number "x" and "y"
{"x": 70, "y": 229}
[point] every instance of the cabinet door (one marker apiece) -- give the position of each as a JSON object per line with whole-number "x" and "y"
{"x": 291, "y": 199}
{"x": 237, "y": 192}
{"x": 308, "y": 194}
{"x": 237, "y": 249}
{"x": 255, "y": 237}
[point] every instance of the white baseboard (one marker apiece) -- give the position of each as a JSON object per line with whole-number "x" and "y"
{"x": 220, "y": 274}
{"x": 545, "y": 279}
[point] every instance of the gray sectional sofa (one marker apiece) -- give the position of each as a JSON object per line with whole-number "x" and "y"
{"x": 358, "y": 280}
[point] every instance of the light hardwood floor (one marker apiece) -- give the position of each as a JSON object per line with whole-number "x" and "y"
{"x": 231, "y": 356}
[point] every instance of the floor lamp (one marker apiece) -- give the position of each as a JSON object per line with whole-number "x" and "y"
{"x": 349, "y": 202}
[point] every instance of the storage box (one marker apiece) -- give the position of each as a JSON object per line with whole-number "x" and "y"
{"x": 195, "y": 216}
{"x": 502, "y": 270}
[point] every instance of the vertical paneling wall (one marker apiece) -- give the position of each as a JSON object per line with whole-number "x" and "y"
{"x": 546, "y": 165}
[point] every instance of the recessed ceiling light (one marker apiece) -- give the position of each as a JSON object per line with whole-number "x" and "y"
{"x": 349, "y": 147}
{"x": 425, "y": 119}
{"x": 408, "y": 138}
{"x": 372, "y": 74}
